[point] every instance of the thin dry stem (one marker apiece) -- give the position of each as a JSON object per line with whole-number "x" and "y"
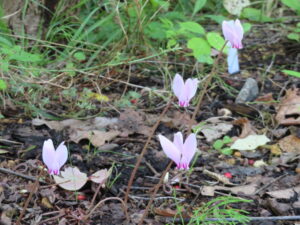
{"x": 145, "y": 149}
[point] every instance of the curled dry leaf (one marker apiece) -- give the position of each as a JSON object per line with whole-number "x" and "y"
{"x": 250, "y": 143}
{"x": 243, "y": 189}
{"x": 71, "y": 179}
{"x": 288, "y": 112}
{"x": 247, "y": 128}
{"x": 101, "y": 176}
{"x": 285, "y": 193}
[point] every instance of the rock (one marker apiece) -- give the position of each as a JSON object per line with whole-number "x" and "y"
{"x": 249, "y": 92}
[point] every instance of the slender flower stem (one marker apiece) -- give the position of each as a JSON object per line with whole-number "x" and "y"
{"x": 139, "y": 160}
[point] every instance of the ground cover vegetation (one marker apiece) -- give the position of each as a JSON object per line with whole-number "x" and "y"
{"x": 149, "y": 112}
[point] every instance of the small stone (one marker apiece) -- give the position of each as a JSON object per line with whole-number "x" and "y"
{"x": 249, "y": 92}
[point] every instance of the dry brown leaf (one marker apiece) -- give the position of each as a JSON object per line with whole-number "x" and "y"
{"x": 243, "y": 189}
{"x": 288, "y": 112}
{"x": 247, "y": 128}
{"x": 218, "y": 177}
{"x": 96, "y": 137}
{"x": 132, "y": 121}
{"x": 100, "y": 176}
{"x": 267, "y": 98}
{"x": 290, "y": 143}
{"x": 96, "y": 123}
{"x": 285, "y": 193}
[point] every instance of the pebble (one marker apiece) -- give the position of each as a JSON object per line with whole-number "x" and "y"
{"x": 249, "y": 92}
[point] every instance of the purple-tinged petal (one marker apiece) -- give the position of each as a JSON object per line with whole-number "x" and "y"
{"x": 190, "y": 88}
{"x": 178, "y": 85}
{"x": 178, "y": 141}
{"x": 48, "y": 154}
{"x": 189, "y": 149}
{"x": 170, "y": 149}
{"x": 233, "y": 32}
{"x": 61, "y": 154}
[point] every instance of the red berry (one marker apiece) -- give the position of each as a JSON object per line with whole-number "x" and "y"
{"x": 228, "y": 175}
{"x": 81, "y": 197}
{"x": 251, "y": 162}
{"x": 176, "y": 186}
{"x": 133, "y": 101}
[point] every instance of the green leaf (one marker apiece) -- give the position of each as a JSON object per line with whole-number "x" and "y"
{"x": 4, "y": 65}
{"x": 201, "y": 50}
{"x": 227, "y": 140}
{"x": 291, "y": 73}
{"x": 156, "y": 30}
{"x": 3, "y": 85}
{"x": 192, "y": 27}
{"x": 205, "y": 59}
{"x": 217, "y": 18}
{"x": 216, "y": 41}
{"x": 20, "y": 55}
{"x": 198, "y": 6}
{"x": 227, "y": 151}
{"x": 218, "y": 144}
{"x": 80, "y": 56}
{"x": 255, "y": 15}
{"x": 246, "y": 27}
{"x": 293, "y": 4}
{"x": 171, "y": 43}
{"x": 294, "y": 36}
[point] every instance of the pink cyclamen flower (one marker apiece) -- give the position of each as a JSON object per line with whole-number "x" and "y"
{"x": 233, "y": 32}
{"x": 184, "y": 91}
{"x": 54, "y": 159}
{"x": 180, "y": 152}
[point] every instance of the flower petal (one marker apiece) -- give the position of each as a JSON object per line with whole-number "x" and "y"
{"x": 178, "y": 141}
{"x": 61, "y": 154}
{"x": 191, "y": 88}
{"x": 178, "y": 85}
{"x": 48, "y": 154}
{"x": 189, "y": 149}
{"x": 170, "y": 149}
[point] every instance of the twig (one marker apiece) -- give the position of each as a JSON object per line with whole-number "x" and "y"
{"x": 271, "y": 218}
{"x": 33, "y": 190}
{"x": 268, "y": 184}
{"x": 4, "y": 170}
{"x": 139, "y": 160}
{"x": 96, "y": 193}
{"x": 157, "y": 186}
{"x": 107, "y": 199}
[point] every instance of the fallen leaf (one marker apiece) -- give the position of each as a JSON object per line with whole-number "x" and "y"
{"x": 290, "y": 143}
{"x": 100, "y": 176}
{"x": 3, "y": 151}
{"x": 267, "y": 98}
{"x": 285, "y": 193}
{"x": 71, "y": 179}
{"x": 243, "y": 189}
{"x": 235, "y": 7}
{"x": 288, "y": 112}
{"x": 216, "y": 127}
{"x": 218, "y": 177}
{"x": 96, "y": 137}
{"x": 259, "y": 163}
{"x": 251, "y": 142}
{"x": 247, "y": 128}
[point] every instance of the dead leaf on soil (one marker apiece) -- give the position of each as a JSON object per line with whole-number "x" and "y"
{"x": 132, "y": 121}
{"x": 288, "y": 112}
{"x": 71, "y": 179}
{"x": 243, "y": 189}
{"x": 215, "y": 127}
{"x": 290, "y": 143}
{"x": 267, "y": 98}
{"x": 218, "y": 177}
{"x": 285, "y": 193}
{"x": 96, "y": 137}
{"x": 100, "y": 176}
{"x": 250, "y": 142}
{"x": 247, "y": 128}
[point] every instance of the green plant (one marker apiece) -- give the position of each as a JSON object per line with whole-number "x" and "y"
{"x": 219, "y": 145}
{"x": 221, "y": 208}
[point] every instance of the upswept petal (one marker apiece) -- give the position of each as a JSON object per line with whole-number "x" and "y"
{"x": 178, "y": 141}
{"x": 191, "y": 88}
{"x": 170, "y": 149}
{"x": 189, "y": 148}
{"x": 62, "y": 154}
{"x": 48, "y": 153}
{"x": 178, "y": 85}
{"x": 233, "y": 32}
